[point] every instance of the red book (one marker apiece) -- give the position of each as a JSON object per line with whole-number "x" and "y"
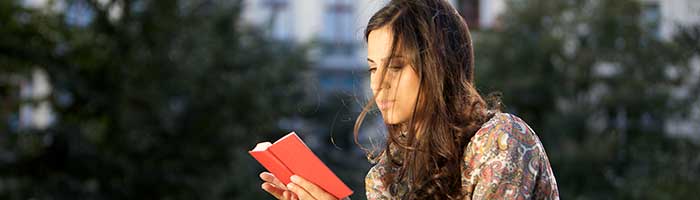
{"x": 289, "y": 155}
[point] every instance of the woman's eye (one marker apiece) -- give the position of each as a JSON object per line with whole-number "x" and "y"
{"x": 372, "y": 70}
{"x": 395, "y": 68}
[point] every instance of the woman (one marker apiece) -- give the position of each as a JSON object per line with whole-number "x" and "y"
{"x": 443, "y": 141}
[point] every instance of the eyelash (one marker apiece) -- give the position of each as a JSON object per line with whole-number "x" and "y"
{"x": 395, "y": 68}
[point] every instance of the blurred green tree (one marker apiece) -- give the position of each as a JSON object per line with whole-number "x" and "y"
{"x": 154, "y": 99}
{"x": 597, "y": 84}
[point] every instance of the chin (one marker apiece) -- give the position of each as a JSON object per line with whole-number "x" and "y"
{"x": 391, "y": 121}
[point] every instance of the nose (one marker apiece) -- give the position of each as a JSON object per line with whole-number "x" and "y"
{"x": 375, "y": 84}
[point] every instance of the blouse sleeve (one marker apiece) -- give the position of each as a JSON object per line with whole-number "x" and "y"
{"x": 506, "y": 160}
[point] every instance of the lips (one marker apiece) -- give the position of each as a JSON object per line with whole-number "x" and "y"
{"x": 385, "y": 104}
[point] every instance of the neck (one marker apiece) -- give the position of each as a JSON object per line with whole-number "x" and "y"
{"x": 403, "y": 128}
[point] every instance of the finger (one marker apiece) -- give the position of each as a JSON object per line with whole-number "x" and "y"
{"x": 269, "y": 177}
{"x": 311, "y": 188}
{"x": 293, "y": 196}
{"x": 273, "y": 190}
{"x": 287, "y": 195}
{"x": 299, "y": 191}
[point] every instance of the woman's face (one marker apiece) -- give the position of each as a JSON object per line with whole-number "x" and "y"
{"x": 396, "y": 95}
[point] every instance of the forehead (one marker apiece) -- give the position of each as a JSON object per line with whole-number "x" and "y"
{"x": 379, "y": 43}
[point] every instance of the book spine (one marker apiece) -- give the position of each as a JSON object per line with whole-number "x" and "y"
{"x": 268, "y": 160}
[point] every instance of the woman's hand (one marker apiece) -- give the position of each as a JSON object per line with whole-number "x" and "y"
{"x": 275, "y": 187}
{"x": 299, "y": 188}
{"x": 306, "y": 190}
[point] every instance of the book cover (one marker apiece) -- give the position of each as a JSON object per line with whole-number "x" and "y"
{"x": 290, "y": 155}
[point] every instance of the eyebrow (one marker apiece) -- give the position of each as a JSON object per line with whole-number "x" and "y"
{"x": 395, "y": 57}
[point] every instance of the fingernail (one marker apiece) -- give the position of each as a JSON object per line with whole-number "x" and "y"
{"x": 294, "y": 178}
{"x": 289, "y": 186}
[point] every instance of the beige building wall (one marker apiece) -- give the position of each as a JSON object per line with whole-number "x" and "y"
{"x": 674, "y": 13}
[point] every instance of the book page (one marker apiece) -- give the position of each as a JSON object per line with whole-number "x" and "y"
{"x": 262, "y": 146}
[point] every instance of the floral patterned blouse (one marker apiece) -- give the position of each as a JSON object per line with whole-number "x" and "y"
{"x": 503, "y": 160}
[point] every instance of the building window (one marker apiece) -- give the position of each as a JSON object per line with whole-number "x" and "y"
{"x": 651, "y": 17}
{"x": 470, "y": 11}
{"x": 280, "y": 19}
{"x": 338, "y": 34}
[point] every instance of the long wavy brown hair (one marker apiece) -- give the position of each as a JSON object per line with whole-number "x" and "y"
{"x": 448, "y": 111}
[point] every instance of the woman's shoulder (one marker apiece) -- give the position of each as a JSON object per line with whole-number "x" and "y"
{"x": 506, "y": 149}
{"x": 504, "y": 129}
{"x": 502, "y": 120}
{"x": 504, "y": 137}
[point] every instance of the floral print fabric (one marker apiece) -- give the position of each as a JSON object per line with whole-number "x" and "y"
{"x": 503, "y": 160}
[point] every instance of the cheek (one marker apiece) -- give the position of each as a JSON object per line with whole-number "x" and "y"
{"x": 407, "y": 106}
{"x": 408, "y": 95}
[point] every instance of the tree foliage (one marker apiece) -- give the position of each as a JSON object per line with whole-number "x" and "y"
{"x": 597, "y": 83}
{"x": 161, "y": 102}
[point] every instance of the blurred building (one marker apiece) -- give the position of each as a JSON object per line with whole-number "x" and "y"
{"x": 331, "y": 25}
{"x": 481, "y": 13}
{"x": 336, "y": 29}
{"x": 334, "y": 26}
{"x": 667, "y": 15}
{"x": 670, "y": 14}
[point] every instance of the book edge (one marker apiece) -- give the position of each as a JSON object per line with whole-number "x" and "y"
{"x": 274, "y": 157}
{"x": 345, "y": 190}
